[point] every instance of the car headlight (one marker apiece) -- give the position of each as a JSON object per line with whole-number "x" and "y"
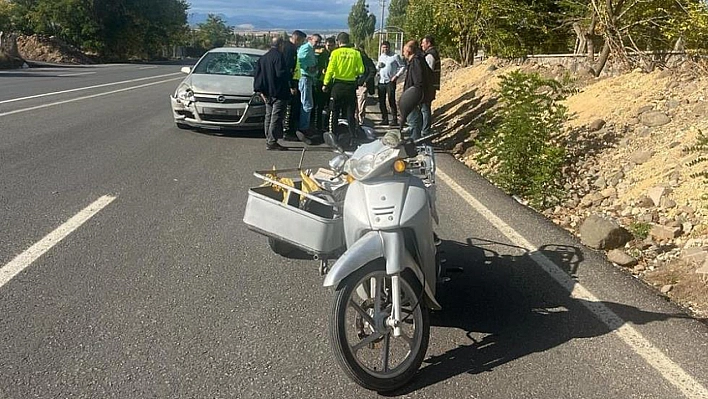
{"x": 184, "y": 93}
{"x": 256, "y": 99}
{"x": 361, "y": 168}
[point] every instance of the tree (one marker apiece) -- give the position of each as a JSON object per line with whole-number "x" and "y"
{"x": 626, "y": 28}
{"x": 115, "y": 29}
{"x": 462, "y": 27}
{"x": 362, "y": 23}
{"x": 397, "y": 13}
{"x": 214, "y": 32}
{"x": 7, "y": 14}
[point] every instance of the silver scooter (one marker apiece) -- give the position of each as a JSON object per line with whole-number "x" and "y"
{"x": 386, "y": 280}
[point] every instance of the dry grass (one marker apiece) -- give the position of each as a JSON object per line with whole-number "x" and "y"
{"x": 689, "y": 289}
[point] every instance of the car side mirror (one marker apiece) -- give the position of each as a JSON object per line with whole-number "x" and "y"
{"x": 186, "y": 70}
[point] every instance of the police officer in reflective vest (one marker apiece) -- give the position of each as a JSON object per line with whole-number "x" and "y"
{"x": 345, "y": 66}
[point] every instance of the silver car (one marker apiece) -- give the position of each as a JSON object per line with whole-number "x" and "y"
{"x": 218, "y": 92}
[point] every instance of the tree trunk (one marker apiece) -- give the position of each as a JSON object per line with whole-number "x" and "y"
{"x": 591, "y": 51}
{"x": 604, "y": 55}
{"x": 589, "y": 35}
{"x": 581, "y": 41}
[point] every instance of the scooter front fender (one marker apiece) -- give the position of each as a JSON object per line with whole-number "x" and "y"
{"x": 374, "y": 245}
{"x": 366, "y": 249}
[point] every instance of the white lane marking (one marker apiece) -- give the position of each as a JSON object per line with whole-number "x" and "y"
{"x": 671, "y": 371}
{"x": 76, "y": 74}
{"x": 26, "y": 258}
{"x": 17, "y": 111}
{"x": 87, "y": 88}
{"x": 147, "y": 67}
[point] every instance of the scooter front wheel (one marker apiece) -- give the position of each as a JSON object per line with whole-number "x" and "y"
{"x": 364, "y": 345}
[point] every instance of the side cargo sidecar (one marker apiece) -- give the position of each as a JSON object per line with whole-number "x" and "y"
{"x": 275, "y": 211}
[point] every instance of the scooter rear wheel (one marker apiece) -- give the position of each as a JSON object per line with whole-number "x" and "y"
{"x": 363, "y": 344}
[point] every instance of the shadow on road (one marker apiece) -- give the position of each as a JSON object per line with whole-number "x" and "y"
{"x": 231, "y": 133}
{"x": 506, "y": 318}
{"x": 257, "y": 134}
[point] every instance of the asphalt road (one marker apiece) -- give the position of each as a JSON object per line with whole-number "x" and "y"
{"x": 164, "y": 292}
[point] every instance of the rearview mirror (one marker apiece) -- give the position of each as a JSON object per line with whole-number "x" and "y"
{"x": 392, "y": 138}
{"x": 186, "y": 70}
{"x": 331, "y": 141}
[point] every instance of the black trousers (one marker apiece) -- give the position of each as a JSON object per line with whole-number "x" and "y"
{"x": 388, "y": 90}
{"x": 321, "y": 99}
{"x": 344, "y": 99}
{"x": 292, "y": 113}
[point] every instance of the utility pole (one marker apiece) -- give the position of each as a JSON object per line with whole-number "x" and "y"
{"x": 381, "y": 30}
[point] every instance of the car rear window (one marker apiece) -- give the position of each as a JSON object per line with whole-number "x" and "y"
{"x": 232, "y": 64}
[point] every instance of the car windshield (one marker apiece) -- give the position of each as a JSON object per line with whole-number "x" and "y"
{"x": 231, "y": 63}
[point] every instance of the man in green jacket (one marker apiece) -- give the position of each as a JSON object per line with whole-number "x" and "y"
{"x": 345, "y": 66}
{"x": 307, "y": 62}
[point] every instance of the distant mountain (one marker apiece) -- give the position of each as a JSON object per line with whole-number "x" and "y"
{"x": 275, "y": 23}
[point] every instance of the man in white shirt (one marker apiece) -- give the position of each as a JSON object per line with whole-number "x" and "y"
{"x": 390, "y": 66}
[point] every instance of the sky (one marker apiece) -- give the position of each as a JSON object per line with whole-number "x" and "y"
{"x": 294, "y": 14}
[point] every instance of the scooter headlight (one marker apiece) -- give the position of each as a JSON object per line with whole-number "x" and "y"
{"x": 361, "y": 168}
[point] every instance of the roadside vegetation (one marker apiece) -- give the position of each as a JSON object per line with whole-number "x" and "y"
{"x": 524, "y": 148}
{"x": 117, "y": 30}
{"x": 700, "y": 148}
{"x": 599, "y": 29}
{"x": 108, "y": 29}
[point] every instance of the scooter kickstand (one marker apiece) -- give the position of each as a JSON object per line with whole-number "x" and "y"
{"x": 324, "y": 267}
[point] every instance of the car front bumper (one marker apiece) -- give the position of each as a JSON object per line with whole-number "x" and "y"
{"x": 217, "y": 116}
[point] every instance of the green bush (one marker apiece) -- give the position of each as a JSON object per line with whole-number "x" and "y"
{"x": 524, "y": 149}
{"x": 700, "y": 147}
{"x": 640, "y": 230}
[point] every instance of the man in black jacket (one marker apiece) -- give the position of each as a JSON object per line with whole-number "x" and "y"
{"x": 297, "y": 38}
{"x": 419, "y": 78}
{"x": 272, "y": 82}
{"x": 432, "y": 58}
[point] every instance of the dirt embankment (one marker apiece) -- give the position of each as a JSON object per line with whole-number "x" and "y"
{"x": 627, "y": 144}
{"x": 50, "y": 49}
{"x": 9, "y": 56}
{"x": 16, "y": 49}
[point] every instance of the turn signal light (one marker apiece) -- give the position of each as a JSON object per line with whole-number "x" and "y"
{"x": 399, "y": 166}
{"x": 350, "y": 179}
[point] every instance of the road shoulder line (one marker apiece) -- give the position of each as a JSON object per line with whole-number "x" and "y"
{"x": 12, "y": 100}
{"x": 18, "y": 111}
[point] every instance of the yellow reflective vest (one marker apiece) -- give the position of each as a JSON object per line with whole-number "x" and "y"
{"x": 296, "y": 73}
{"x": 345, "y": 64}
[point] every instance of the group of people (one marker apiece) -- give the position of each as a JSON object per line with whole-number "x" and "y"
{"x": 309, "y": 84}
